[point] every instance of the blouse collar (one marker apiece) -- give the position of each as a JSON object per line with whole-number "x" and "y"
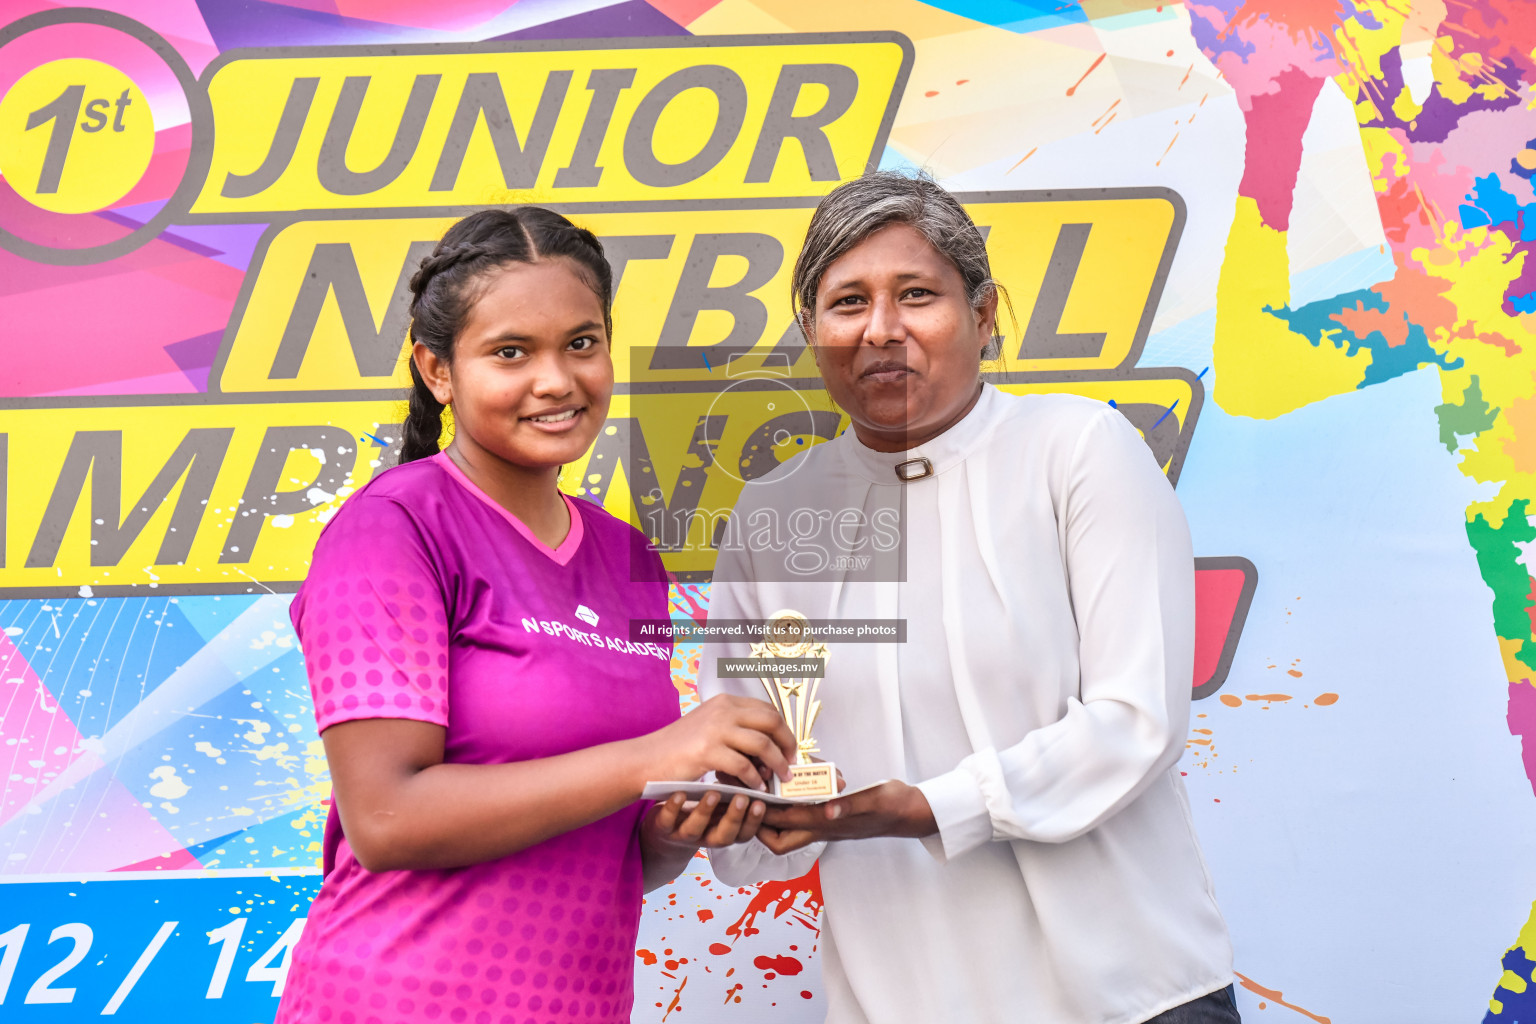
{"x": 941, "y": 453}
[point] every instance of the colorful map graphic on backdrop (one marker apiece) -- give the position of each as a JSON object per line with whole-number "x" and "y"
{"x": 153, "y": 702}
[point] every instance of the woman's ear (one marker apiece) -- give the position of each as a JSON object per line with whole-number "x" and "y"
{"x": 986, "y": 318}
{"x": 807, "y": 322}
{"x": 434, "y": 372}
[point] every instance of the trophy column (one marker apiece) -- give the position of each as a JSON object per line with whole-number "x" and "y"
{"x": 794, "y": 665}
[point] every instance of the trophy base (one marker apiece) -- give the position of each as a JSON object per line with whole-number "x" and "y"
{"x": 818, "y": 779}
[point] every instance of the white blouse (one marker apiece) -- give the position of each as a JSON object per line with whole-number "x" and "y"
{"x": 1040, "y": 702}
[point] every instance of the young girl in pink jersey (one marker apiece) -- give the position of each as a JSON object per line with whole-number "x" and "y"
{"x": 488, "y": 725}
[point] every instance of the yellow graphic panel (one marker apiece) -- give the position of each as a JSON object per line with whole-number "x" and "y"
{"x": 444, "y": 129}
{"x": 231, "y": 496}
{"x": 1163, "y": 408}
{"x": 1083, "y": 274}
{"x": 329, "y": 309}
{"x": 699, "y": 290}
{"x": 673, "y": 462}
{"x": 215, "y": 497}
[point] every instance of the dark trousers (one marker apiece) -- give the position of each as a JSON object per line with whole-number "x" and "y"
{"x": 1219, "y": 1007}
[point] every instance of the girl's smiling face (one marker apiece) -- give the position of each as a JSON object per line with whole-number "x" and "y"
{"x": 532, "y": 369}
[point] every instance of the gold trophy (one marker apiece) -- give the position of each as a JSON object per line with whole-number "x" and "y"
{"x": 788, "y": 635}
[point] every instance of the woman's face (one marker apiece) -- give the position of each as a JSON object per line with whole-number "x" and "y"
{"x": 532, "y": 370}
{"x": 896, "y": 339}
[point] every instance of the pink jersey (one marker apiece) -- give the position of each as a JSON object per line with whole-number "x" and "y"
{"x": 426, "y": 600}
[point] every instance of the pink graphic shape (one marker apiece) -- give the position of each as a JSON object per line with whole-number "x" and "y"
{"x": 1276, "y": 123}
{"x": 46, "y": 739}
{"x": 133, "y": 58}
{"x": 683, "y": 11}
{"x": 117, "y": 834}
{"x": 1522, "y": 723}
{"x": 118, "y": 323}
{"x": 1218, "y": 595}
{"x": 427, "y": 14}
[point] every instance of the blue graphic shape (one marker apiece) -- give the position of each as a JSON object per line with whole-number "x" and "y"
{"x": 1494, "y": 202}
{"x": 278, "y": 842}
{"x": 1316, "y": 322}
{"x": 1015, "y": 15}
{"x": 176, "y": 718}
{"x": 100, "y": 657}
{"x": 1514, "y": 1006}
{"x": 124, "y": 916}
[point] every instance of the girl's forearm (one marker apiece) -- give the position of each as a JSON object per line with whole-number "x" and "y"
{"x": 453, "y": 815}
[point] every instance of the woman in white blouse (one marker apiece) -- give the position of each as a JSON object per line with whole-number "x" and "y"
{"x": 1032, "y": 858}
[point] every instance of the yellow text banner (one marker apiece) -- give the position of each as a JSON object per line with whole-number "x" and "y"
{"x": 229, "y": 496}
{"x": 412, "y": 128}
{"x": 177, "y": 497}
{"x": 325, "y": 306}
{"x": 673, "y": 461}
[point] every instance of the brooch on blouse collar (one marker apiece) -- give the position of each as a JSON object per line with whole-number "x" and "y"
{"x": 913, "y": 469}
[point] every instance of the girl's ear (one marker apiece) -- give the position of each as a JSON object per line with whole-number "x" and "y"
{"x": 435, "y": 372}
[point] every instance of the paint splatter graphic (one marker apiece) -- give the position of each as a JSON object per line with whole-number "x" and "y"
{"x": 1440, "y": 96}
{"x": 1269, "y": 995}
{"x": 759, "y": 960}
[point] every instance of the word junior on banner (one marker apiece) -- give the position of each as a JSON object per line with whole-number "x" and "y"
{"x": 593, "y": 639}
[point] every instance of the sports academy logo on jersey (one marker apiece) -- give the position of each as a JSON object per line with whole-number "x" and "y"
{"x": 601, "y": 641}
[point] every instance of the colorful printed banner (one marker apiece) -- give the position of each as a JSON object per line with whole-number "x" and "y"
{"x": 1291, "y": 243}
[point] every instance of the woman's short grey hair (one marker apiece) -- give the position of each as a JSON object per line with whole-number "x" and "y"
{"x": 857, "y": 209}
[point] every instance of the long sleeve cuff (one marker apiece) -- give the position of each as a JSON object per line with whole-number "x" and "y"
{"x": 751, "y": 862}
{"x": 960, "y": 811}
